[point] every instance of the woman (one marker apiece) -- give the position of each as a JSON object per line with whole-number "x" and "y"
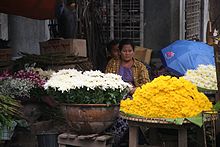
{"x": 131, "y": 70}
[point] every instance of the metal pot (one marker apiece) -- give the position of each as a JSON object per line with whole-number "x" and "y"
{"x": 89, "y": 118}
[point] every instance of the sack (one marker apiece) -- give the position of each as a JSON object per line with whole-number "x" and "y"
{"x": 143, "y": 54}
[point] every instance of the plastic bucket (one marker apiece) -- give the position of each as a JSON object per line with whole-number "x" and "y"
{"x": 47, "y": 140}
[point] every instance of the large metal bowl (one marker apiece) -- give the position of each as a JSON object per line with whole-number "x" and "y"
{"x": 89, "y": 118}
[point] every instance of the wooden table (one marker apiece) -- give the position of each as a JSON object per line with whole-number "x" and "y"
{"x": 135, "y": 122}
{"x": 92, "y": 140}
{"x": 133, "y": 128}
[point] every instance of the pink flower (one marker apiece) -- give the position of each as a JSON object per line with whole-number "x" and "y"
{"x": 169, "y": 55}
{"x": 5, "y": 74}
{"x": 31, "y": 76}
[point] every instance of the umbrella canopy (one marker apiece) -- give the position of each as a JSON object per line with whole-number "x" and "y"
{"x": 182, "y": 55}
{"x": 36, "y": 9}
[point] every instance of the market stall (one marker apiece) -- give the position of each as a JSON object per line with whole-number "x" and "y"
{"x": 182, "y": 141}
{"x": 172, "y": 103}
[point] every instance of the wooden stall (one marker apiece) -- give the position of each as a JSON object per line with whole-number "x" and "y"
{"x": 158, "y": 123}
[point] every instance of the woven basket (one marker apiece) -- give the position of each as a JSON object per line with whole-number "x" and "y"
{"x": 206, "y": 117}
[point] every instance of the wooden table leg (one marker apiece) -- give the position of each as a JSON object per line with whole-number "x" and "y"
{"x": 153, "y": 136}
{"x": 182, "y": 137}
{"x": 133, "y": 138}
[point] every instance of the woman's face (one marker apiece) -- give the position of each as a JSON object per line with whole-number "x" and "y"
{"x": 127, "y": 52}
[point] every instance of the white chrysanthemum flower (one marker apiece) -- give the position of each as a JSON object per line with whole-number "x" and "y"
{"x": 204, "y": 76}
{"x": 67, "y": 79}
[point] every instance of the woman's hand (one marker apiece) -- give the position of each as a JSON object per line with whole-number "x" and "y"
{"x": 132, "y": 90}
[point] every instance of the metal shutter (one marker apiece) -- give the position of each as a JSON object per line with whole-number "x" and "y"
{"x": 126, "y": 20}
{"x": 193, "y": 19}
{"x": 122, "y": 19}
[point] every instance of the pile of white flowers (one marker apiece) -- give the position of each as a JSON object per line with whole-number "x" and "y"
{"x": 204, "y": 77}
{"x": 67, "y": 79}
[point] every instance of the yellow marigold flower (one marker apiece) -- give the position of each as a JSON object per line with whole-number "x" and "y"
{"x": 167, "y": 97}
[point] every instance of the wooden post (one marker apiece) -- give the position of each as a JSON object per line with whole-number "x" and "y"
{"x": 217, "y": 63}
{"x": 133, "y": 141}
{"x": 182, "y": 137}
{"x": 153, "y": 136}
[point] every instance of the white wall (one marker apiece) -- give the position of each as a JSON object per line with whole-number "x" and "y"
{"x": 3, "y": 26}
{"x": 25, "y": 34}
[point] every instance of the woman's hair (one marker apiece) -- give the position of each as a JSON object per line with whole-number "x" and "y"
{"x": 126, "y": 42}
{"x": 111, "y": 44}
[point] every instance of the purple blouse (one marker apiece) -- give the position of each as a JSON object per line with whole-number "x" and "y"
{"x": 126, "y": 74}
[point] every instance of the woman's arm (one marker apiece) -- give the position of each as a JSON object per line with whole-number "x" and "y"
{"x": 144, "y": 76}
{"x": 140, "y": 74}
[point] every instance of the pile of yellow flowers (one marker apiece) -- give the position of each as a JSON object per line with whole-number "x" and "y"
{"x": 166, "y": 97}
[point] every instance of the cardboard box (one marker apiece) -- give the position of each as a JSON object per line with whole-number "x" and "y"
{"x": 5, "y": 54}
{"x": 143, "y": 54}
{"x": 64, "y": 46}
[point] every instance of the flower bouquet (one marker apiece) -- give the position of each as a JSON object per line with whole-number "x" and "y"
{"x": 9, "y": 109}
{"x": 22, "y": 85}
{"x": 89, "y": 100}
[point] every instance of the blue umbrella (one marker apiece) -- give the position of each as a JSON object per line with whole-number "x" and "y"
{"x": 182, "y": 55}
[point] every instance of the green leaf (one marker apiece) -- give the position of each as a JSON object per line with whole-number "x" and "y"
{"x": 172, "y": 120}
{"x": 217, "y": 106}
{"x": 22, "y": 123}
{"x": 211, "y": 91}
{"x": 179, "y": 121}
{"x": 108, "y": 102}
{"x": 197, "y": 120}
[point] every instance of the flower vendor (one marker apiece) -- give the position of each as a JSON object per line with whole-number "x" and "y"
{"x": 131, "y": 70}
